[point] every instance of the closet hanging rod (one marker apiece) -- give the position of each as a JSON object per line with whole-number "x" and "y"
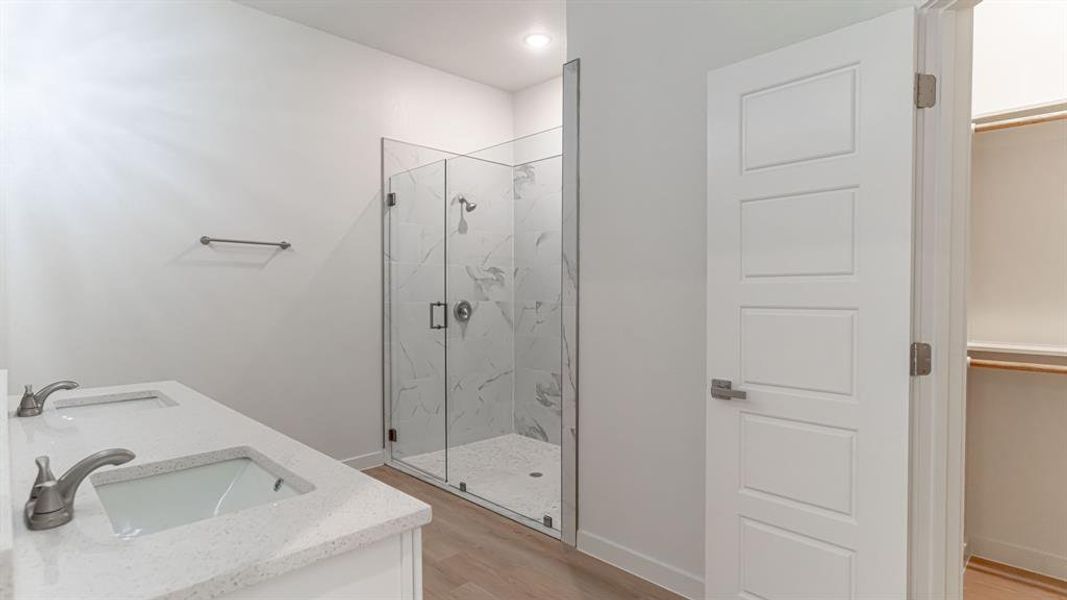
{"x": 1044, "y": 113}
{"x": 1006, "y": 365}
{"x": 284, "y": 245}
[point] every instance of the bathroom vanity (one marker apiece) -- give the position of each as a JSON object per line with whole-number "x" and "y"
{"x": 214, "y": 505}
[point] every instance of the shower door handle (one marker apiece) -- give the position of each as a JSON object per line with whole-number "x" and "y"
{"x": 433, "y": 315}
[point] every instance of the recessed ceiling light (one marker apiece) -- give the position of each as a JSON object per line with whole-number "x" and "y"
{"x": 537, "y": 40}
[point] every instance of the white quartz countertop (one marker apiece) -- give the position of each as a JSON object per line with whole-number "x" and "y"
{"x": 84, "y": 559}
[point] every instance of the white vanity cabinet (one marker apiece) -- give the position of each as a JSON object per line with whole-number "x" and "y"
{"x": 390, "y": 568}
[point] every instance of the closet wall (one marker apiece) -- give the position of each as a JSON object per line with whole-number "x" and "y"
{"x": 1019, "y": 236}
{"x": 1016, "y": 494}
{"x": 1020, "y": 53}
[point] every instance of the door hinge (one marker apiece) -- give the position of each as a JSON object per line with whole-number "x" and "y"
{"x": 390, "y": 199}
{"x": 925, "y": 90}
{"x": 921, "y": 359}
{"x": 392, "y": 435}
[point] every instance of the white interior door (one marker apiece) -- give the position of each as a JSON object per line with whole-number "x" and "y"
{"x": 810, "y": 160}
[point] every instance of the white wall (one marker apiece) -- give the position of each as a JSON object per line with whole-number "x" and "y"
{"x": 1020, "y": 54}
{"x": 538, "y": 107}
{"x": 131, "y": 129}
{"x": 3, "y": 256}
{"x": 5, "y": 159}
{"x": 1016, "y": 496}
{"x": 643, "y": 177}
{"x": 1018, "y": 261}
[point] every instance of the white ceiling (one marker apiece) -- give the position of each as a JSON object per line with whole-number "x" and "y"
{"x": 477, "y": 39}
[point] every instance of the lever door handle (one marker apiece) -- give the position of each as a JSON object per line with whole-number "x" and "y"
{"x": 723, "y": 390}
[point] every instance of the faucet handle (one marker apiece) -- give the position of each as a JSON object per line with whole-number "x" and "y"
{"x": 44, "y": 475}
{"x": 48, "y": 499}
{"x": 44, "y": 470}
{"x": 28, "y": 405}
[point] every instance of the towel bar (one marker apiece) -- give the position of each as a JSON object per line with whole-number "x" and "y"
{"x": 284, "y": 245}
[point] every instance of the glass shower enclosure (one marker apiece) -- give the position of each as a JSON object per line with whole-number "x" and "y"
{"x": 473, "y": 321}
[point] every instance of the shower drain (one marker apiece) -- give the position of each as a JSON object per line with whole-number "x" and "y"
{"x": 535, "y": 474}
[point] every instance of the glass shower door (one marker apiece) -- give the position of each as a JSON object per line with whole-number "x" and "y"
{"x": 417, "y": 319}
{"x": 480, "y": 345}
{"x": 487, "y": 456}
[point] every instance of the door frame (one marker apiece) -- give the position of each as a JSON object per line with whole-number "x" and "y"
{"x": 942, "y": 197}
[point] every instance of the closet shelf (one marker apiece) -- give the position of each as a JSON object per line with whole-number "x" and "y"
{"x": 1043, "y": 113}
{"x": 1035, "y": 365}
{"x": 1019, "y": 349}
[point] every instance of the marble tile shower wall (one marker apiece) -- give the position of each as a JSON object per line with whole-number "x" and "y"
{"x": 481, "y": 352}
{"x": 538, "y": 191}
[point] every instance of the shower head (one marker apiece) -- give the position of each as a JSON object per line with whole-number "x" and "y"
{"x": 466, "y": 204}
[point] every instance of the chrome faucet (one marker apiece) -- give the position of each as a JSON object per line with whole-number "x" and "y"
{"x": 32, "y": 404}
{"x": 51, "y": 502}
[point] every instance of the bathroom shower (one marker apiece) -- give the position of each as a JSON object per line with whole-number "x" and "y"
{"x": 474, "y": 352}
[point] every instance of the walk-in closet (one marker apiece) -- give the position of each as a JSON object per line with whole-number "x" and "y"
{"x": 1016, "y": 428}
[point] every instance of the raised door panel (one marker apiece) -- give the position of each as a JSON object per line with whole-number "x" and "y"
{"x": 818, "y": 474}
{"x": 803, "y": 235}
{"x": 777, "y": 564}
{"x": 797, "y": 121}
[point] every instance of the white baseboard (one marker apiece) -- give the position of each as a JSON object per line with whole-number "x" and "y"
{"x": 366, "y": 461}
{"x": 674, "y": 579}
{"x": 1030, "y": 559}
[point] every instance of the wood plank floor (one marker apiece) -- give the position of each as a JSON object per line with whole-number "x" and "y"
{"x": 980, "y": 582}
{"x": 470, "y": 553}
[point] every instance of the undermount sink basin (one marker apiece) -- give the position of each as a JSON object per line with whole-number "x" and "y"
{"x": 92, "y": 406}
{"x": 144, "y": 499}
